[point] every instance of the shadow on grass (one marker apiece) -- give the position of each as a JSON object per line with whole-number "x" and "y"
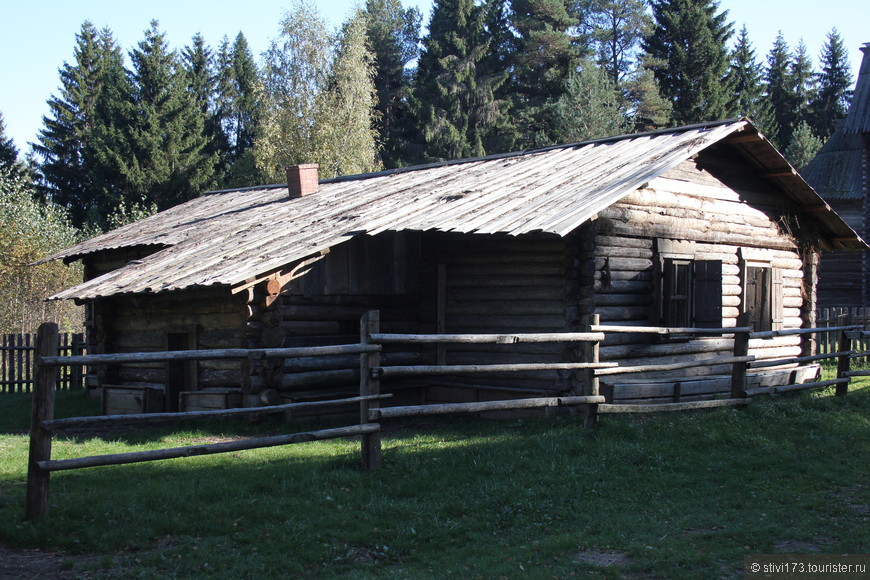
{"x": 672, "y": 496}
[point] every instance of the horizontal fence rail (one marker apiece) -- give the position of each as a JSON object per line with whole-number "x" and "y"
{"x": 585, "y": 400}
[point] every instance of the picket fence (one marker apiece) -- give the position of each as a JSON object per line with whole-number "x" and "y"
{"x": 16, "y": 362}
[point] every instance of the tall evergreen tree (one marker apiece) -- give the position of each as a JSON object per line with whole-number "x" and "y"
{"x": 802, "y": 83}
{"x": 393, "y": 33}
{"x": 198, "y": 67}
{"x": 687, "y": 50}
{"x": 645, "y": 106}
{"x": 745, "y": 81}
{"x": 453, "y": 100}
{"x": 545, "y": 54}
{"x": 833, "y": 97}
{"x": 238, "y": 110}
{"x": 67, "y": 163}
{"x": 163, "y": 154}
{"x": 777, "y": 85}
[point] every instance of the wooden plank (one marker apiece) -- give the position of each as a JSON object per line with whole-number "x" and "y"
{"x": 404, "y": 371}
{"x": 683, "y": 406}
{"x": 196, "y": 450}
{"x": 386, "y": 338}
{"x": 482, "y": 406}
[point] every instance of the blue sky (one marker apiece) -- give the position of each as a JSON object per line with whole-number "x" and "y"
{"x": 38, "y": 36}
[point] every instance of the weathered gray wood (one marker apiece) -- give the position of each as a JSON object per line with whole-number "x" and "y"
{"x": 487, "y": 338}
{"x": 799, "y": 387}
{"x": 36, "y": 502}
{"x": 403, "y": 371}
{"x": 59, "y": 425}
{"x": 212, "y": 448}
{"x": 478, "y": 407}
{"x": 684, "y": 406}
{"x": 369, "y": 386}
{"x": 257, "y": 353}
{"x": 666, "y": 330}
{"x": 741, "y": 349}
{"x": 673, "y": 366}
{"x": 843, "y": 363}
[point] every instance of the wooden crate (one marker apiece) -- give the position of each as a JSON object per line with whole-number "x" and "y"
{"x": 127, "y": 400}
{"x": 210, "y": 399}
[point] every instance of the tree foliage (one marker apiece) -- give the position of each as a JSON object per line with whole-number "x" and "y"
{"x": 745, "y": 80}
{"x": 318, "y": 97}
{"x": 833, "y": 96}
{"x": 590, "y": 107}
{"x": 687, "y": 51}
{"x": 454, "y": 98}
{"x": 29, "y": 231}
{"x": 393, "y": 34}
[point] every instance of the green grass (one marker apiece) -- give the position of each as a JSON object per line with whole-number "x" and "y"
{"x": 674, "y": 496}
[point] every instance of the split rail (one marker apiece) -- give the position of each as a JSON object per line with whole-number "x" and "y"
{"x": 587, "y": 400}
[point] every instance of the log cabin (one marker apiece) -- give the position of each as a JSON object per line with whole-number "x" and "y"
{"x": 839, "y": 174}
{"x": 684, "y": 227}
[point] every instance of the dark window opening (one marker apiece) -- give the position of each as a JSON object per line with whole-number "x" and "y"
{"x": 691, "y": 293}
{"x": 763, "y": 298}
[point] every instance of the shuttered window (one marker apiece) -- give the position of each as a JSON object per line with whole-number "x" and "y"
{"x": 763, "y": 297}
{"x": 691, "y": 293}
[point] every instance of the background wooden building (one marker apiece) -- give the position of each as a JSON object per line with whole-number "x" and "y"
{"x": 684, "y": 227}
{"x": 839, "y": 174}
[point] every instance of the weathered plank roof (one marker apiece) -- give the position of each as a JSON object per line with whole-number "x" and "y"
{"x": 835, "y": 172}
{"x": 232, "y": 237}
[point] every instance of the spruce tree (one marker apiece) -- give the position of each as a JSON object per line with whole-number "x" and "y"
{"x": 238, "y": 110}
{"x": 645, "y": 106}
{"x": 803, "y": 146}
{"x": 545, "y": 54}
{"x": 833, "y": 97}
{"x": 200, "y": 77}
{"x": 393, "y": 33}
{"x": 687, "y": 51}
{"x": 454, "y": 102}
{"x": 68, "y": 163}
{"x": 802, "y": 83}
{"x": 777, "y": 86}
{"x": 745, "y": 81}
{"x": 163, "y": 155}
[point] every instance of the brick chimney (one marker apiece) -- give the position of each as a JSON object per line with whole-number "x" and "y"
{"x": 302, "y": 180}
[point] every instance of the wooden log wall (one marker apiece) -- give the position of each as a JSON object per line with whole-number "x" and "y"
{"x": 840, "y": 286}
{"x": 212, "y": 318}
{"x": 503, "y": 284}
{"x": 714, "y": 209}
{"x": 324, "y": 307}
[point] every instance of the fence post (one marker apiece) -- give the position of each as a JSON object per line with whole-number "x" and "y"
{"x": 369, "y": 385}
{"x": 45, "y": 376}
{"x": 741, "y": 349}
{"x": 590, "y": 352}
{"x": 843, "y": 363}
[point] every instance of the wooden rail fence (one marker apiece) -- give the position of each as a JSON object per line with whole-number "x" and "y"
{"x": 587, "y": 399}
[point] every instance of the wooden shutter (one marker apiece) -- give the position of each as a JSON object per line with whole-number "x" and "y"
{"x": 708, "y": 294}
{"x": 777, "y": 314}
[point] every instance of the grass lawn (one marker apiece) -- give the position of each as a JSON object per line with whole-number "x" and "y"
{"x": 679, "y": 495}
